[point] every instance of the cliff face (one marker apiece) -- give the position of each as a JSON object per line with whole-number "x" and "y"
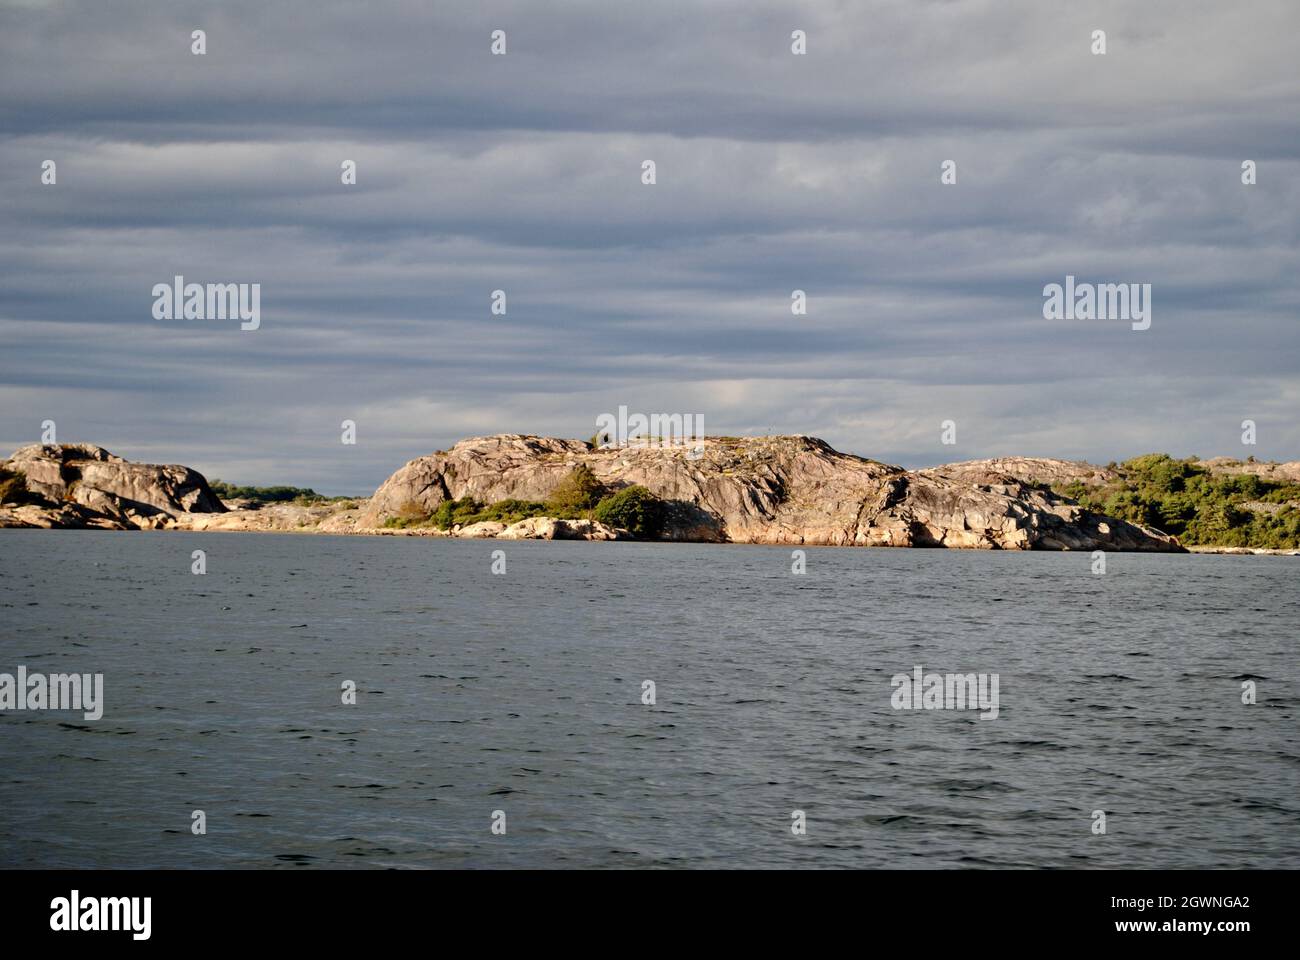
{"x": 82, "y": 485}
{"x": 788, "y": 490}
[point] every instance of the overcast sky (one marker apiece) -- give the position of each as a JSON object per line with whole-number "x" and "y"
{"x": 523, "y": 173}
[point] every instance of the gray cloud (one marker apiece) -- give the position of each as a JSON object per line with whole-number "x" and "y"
{"x": 522, "y": 173}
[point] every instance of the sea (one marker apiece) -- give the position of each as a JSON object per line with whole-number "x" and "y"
{"x": 314, "y": 701}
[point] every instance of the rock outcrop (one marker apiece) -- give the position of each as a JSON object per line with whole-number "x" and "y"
{"x": 777, "y": 490}
{"x": 1288, "y": 472}
{"x": 547, "y": 528}
{"x": 82, "y": 485}
{"x": 244, "y": 515}
{"x": 1030, "y": 470}
{"x": 771, "y": 490}
{"x": 533, "y": 528}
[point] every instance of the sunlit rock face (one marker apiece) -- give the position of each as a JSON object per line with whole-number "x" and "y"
{"x": 791, "y": 490}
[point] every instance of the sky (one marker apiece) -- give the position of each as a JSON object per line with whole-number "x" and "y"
{"x": 522, "y": 172}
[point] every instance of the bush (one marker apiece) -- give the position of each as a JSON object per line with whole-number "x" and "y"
{"x": 452, "y": 512}
{"x": 508, "y": 511}
{"x": 409, "y": 514}
{"x": 13, "y": 488}
{"x": 303, "y": 496}
{"x": 230, "y": 491}
{"x": 467, "y": 510}
{"x": 576, "y": 493}
{"x": 634, "y": 509}
{"x": 1185, "y": 499}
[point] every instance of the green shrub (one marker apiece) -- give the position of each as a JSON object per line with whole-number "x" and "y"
{"x": 303, "y": 496}
{"x": 576, "y": 493}
{"x": 452, "y": 512}
{"x": 1185, "y": 499}
{"x": 409, "y": 514}
{"x": 634, "y": 509}
{"x": 467, "y": 510}
{"x": 230, "y": 491}
{"x": 509, "y": 511}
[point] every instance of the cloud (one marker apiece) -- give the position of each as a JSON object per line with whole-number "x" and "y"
{"x": 522, "y": 173}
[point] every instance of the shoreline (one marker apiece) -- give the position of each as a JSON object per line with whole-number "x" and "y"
{"x": 1243, "y": 551}
{"x": 1203, "y": 550}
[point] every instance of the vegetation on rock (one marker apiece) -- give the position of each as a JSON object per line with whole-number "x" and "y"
{"x": 579, "y": 496}
{"x": 1185, "y": 499}
{"x": 634, "y": 509}
{"x": 13, "y": 488}
{"x": 577, "y": 492}
{"x": 301, "y": 495}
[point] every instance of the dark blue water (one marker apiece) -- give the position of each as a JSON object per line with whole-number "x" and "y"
{"x": 522, "y": 693}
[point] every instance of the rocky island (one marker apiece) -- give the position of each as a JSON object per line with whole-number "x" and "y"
{"x": 764, "y": 490}
{"x": 771, "y": 490}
